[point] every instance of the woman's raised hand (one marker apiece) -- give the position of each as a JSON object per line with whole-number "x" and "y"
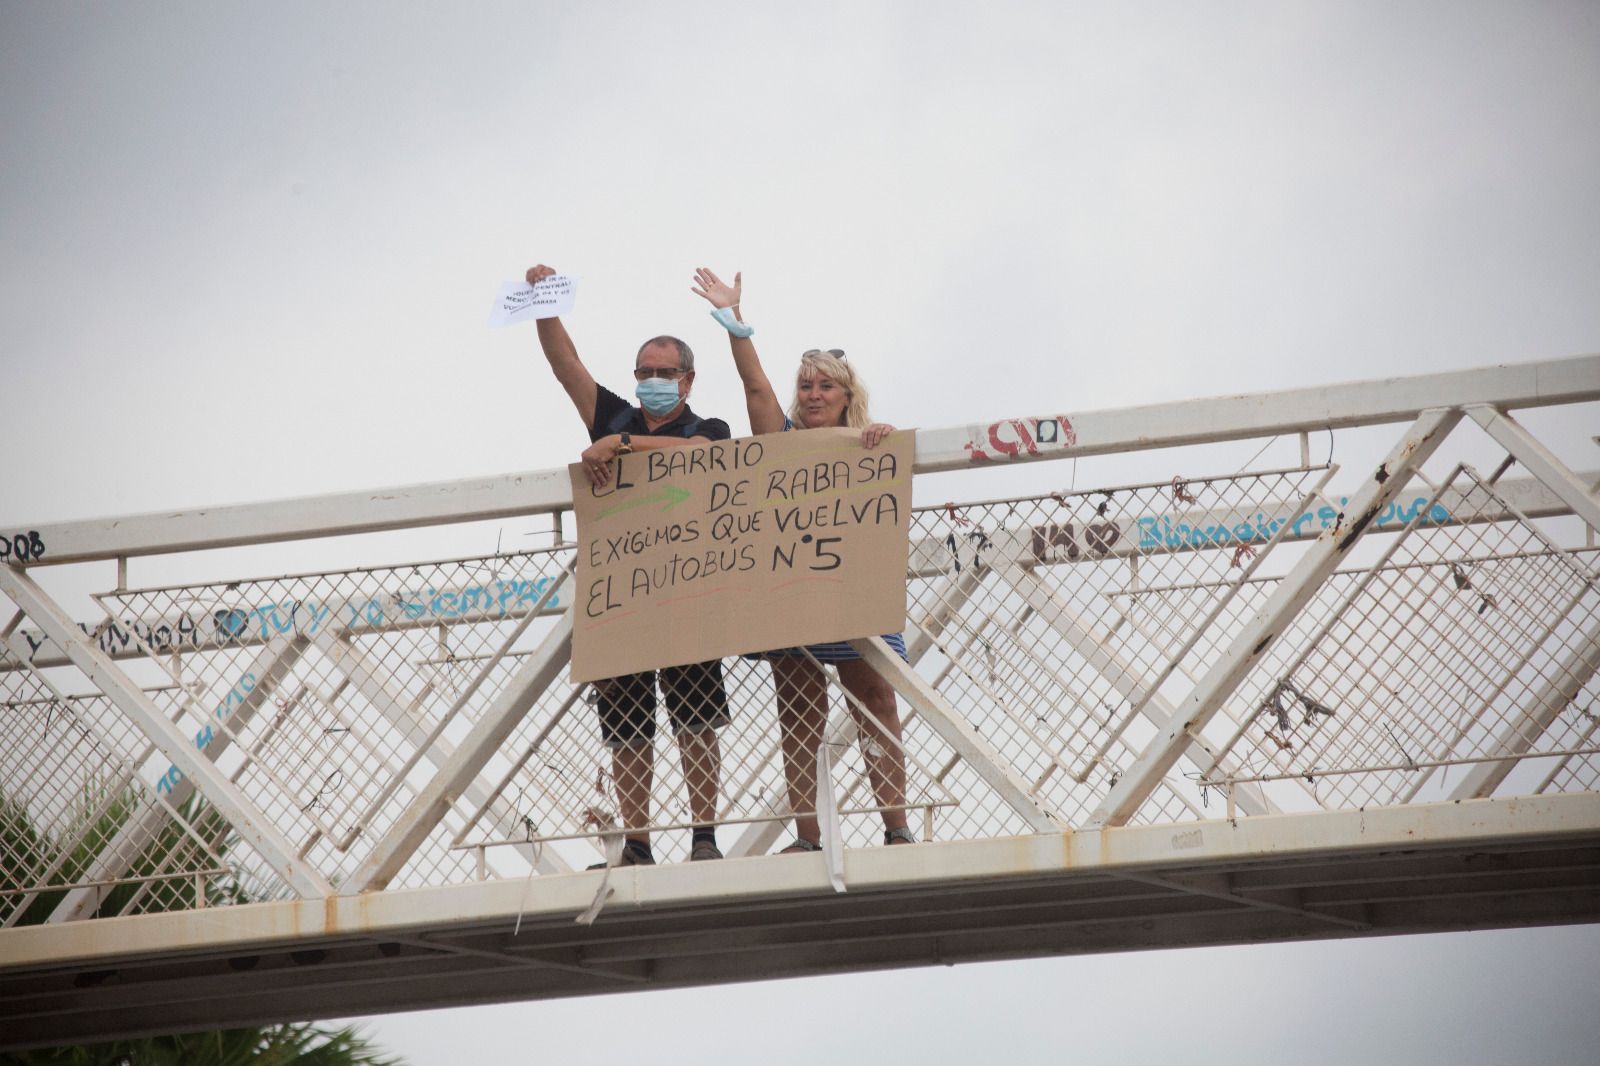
{"x": 714, "y": 290}
{"x": 538, "y": 273}
{"x": 873, "y": 435}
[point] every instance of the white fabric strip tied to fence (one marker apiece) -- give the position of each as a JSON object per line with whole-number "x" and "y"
{"x": 613, "y": 844}
{"x": 828, "y": 818}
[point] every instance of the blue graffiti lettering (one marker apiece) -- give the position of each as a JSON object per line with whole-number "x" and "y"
{"x": 308, "y": 618}
{"x": 207, "y": 733}
{"x": 1158, "y": 532}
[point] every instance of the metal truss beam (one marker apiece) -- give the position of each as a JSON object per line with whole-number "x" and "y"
{"x": 1362, "y": 403}
{"x": 66, "y": 846}
{"x": 253, "y": 827}
{"x": 1123, "y": 676}
{"x": 269, "y": 667}
{"x": 499, "y": 953}
{"x": 1476, "y": 864}
{"x": 1539, "y": 460}
{"x": 349, "y": 660}
{"x": 336, "y": 514}
{"x": 430, "y": 805}
{"x": 1293, "y": 593}
{"x": 950, "y": 598}
{"x": 957, "y": 732}
{"x": 1096, "y": 432}
{"x": 1220, "y": 886}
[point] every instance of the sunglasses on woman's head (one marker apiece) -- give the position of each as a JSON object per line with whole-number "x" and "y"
{"x": 816, "y": 353}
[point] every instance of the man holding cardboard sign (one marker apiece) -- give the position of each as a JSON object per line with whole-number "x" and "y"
{"x": 697, "y": 700}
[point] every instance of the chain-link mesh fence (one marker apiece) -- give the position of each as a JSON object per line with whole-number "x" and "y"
{"x": 83, "y": 832}
{"x": 1048, "y": 634}
{"x": 1458, "y": 646}
{"x": 1057, "y": 635}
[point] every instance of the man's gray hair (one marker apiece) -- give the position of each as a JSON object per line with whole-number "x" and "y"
{"x": 685, "y": 355}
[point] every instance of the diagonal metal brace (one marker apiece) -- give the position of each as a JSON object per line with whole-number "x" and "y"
{"x": 1123, "y": 676}
{"x": 252, "y": 825}
{"x": 273, "y": 663}
{"x": 429, "y": 806}
{"x": 1541, "y": 462}
{"x": 957, "y": 732}
{"x": 1293, "y": 593}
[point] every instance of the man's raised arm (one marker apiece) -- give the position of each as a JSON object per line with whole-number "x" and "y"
{"x": 563, "y": 357}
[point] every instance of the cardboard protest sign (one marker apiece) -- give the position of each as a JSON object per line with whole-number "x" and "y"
{"x": 740, "y": 546}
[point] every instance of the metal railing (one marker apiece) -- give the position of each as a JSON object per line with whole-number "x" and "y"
{"x": 1290, "y": 638}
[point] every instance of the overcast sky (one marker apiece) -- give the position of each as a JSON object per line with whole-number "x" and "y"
{"x": 249, "y": 252}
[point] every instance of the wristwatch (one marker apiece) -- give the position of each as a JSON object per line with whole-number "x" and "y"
{"x": 625, "y": 444}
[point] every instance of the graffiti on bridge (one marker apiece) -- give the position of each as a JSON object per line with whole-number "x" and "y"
{"x": 194, "y": 630}
{"x": 1068, "y": 542}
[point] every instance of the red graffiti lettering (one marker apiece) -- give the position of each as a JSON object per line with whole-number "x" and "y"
{"x": 1013, "y": 437}
{"x": 1012, "y": 447}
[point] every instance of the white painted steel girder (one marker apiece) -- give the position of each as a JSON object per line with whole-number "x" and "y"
{"x": 269, "y": 666}
{"x": 330, "y": 515}
{"x": 1123, "y": 676}
{"x": 1540, "y": 461}
{"x": 429, "y": 806}
{"x": 1169, "y": 425}
{"x": 1575, "y": 380}
{"x": 437, "y": 750}
{"x": 956, "y": 732}
{"x": 125, "y": 775}
{"x": 770, "y": 881}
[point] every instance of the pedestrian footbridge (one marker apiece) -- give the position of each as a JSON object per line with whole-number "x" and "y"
{"x": 1307, "y": 664}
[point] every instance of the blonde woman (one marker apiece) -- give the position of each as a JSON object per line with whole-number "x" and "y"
{"x": 827, "y": 393}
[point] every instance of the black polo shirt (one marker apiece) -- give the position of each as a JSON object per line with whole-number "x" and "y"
{"x": 613, "y": 414}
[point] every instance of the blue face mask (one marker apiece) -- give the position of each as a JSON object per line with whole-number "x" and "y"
{"x": 656, "y": 396}
{"x": 725, "y": 319}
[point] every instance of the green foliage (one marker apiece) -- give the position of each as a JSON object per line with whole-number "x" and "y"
{"x": 278, "y": 1045}
{"x": 24, "y": 849}
{"x": 30, "y": 853}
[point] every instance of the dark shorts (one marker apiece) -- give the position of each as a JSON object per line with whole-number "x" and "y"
{"x": 697, "y": 700}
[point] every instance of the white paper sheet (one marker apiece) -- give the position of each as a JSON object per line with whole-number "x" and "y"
{"x": 520, "y": 302}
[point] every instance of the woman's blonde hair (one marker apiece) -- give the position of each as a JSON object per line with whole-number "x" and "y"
{"x": 831, "y": 364}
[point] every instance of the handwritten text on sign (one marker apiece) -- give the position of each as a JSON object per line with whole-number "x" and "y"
{"x": 740, "y": 546}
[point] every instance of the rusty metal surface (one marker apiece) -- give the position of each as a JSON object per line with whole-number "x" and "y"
{"x": 1484, "y": 864}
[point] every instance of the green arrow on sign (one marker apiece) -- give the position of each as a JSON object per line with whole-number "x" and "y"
{"x": 670, "y": 494}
